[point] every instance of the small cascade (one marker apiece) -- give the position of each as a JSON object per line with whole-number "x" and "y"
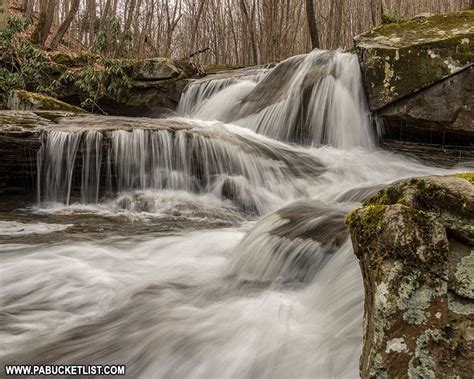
{"x": 314, "y": 99}
{"x": 293, "y": 244}
{"x": 56, "y": 161}
{"x": 91, "y": 166}
{"x": 203, "y": 89}
{"x": 251, "y": 172}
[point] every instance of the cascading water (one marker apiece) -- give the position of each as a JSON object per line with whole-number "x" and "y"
{"x": 125, "y": 258}
{"x": 254, "y": 173}
{"x": 315, "y": 99}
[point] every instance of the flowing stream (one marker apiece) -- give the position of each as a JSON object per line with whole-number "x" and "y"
{"x": 208, "y": 245}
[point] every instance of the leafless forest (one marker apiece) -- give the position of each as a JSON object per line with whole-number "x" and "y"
{"x": 237, "y": 32}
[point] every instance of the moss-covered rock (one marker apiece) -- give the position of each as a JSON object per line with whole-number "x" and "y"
{"x": 24, "y": 100}
{"x": 155, "y": 69}
{"x": 71, "y": 59}
{"x": 415, "y": 245}
{"x": 399, "y": 59}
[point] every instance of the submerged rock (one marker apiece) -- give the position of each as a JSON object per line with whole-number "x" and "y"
{"x": 415, "y": 245}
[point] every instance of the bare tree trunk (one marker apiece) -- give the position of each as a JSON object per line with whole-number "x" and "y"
{"x": 250, "y": 28}
{"x": 92, "y": 15}
{"x": 104, "y": 15}
{"x": 43, "y": 27}
{"x": 313, "y": 29}
{"x": 128, "y": 23}
{"x": 65, "y": 25}
{"x": 194, "y": 31}
{"x": 376, "y": 10}
{"x": 3, "y": 14}
{"x": 29, "y": 8}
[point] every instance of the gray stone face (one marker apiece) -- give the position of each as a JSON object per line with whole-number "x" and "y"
{"x": 398, "y": 60}
{"x": 415, "y": 245}
{"x": 443, "y": 112}
{"x": 155, "y": 69}
{"x": 418, "y": 76}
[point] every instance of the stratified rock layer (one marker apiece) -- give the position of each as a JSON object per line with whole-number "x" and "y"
{"x": 415, "y": 245}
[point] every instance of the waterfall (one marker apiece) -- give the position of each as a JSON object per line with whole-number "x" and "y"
{"x": 56, "y": 160}
{"x": 206, "y": 159}
{"x": 314, "y": 99}
{"x": 209, "y": 245}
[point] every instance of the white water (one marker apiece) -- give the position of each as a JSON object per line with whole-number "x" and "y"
{"x": 277, "y": 293}
{"x": 313, "y": 99}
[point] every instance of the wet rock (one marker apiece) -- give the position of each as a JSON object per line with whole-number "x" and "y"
{"x": 19, "y": 141}
{"x": 399, "y": 59}
{"x": 415, "y": 245}
{"x": 440, "y": 114}
{"x": 27, "y": 101}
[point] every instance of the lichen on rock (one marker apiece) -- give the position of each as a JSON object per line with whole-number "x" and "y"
{"x": 415, "y": 250}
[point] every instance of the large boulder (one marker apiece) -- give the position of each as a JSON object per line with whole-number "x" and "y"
{"x": 156, "y": 86}
{"x": 155, "y": 69}
{"x": 418, "y": 77}
{"x": 415, "y": 245}
{"x": 399, "y": 59}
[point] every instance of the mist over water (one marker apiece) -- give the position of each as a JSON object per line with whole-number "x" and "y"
{"x": 211, "y": 245}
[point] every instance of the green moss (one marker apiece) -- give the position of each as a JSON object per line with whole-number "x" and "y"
{"x": 366, "y": 223}
{"x": 420, "y": 28}
{"x": 469, "y": 176}
{"x": 70, "y": 59}
{"x": 214, "y": 69}
{"x": 389, "y": 19}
